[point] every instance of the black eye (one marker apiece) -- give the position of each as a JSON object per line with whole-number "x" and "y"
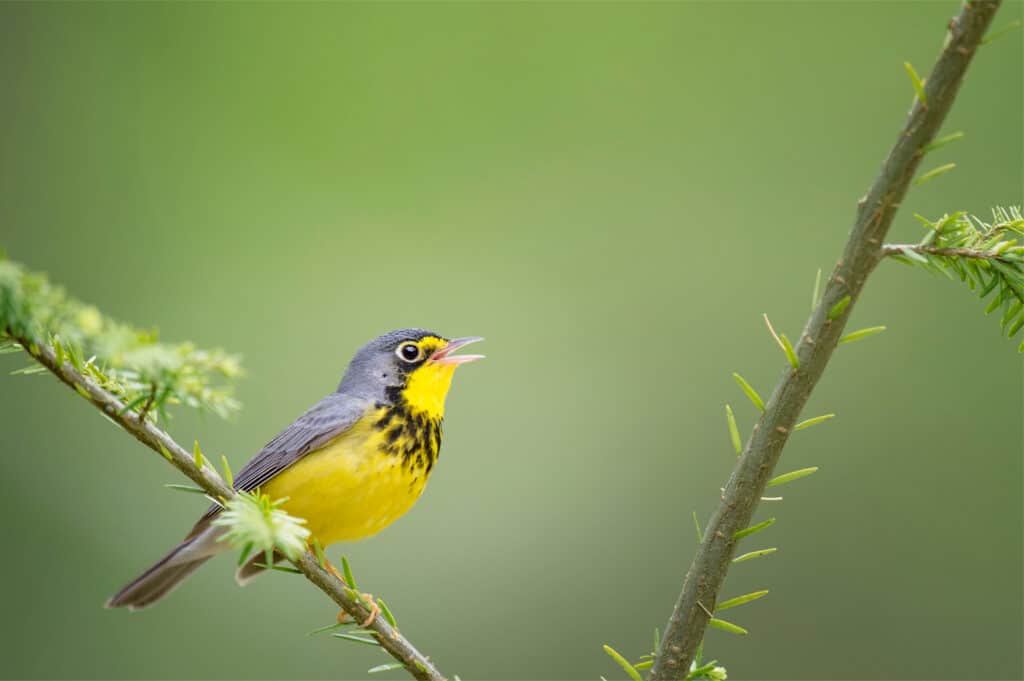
{"x": 409, "y": 352}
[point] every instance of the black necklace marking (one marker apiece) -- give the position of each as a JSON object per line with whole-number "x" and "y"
{"x": 413, "y": 436}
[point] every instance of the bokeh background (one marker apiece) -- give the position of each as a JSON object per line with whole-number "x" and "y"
{"x": 612, "y": 194}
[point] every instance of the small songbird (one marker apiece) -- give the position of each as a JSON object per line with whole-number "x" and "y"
{"x": 350, "y": 466}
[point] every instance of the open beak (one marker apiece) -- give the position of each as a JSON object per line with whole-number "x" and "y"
{"x": 444, "y": 355}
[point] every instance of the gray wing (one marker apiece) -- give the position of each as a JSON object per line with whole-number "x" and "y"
{"x": 324, "y": 421}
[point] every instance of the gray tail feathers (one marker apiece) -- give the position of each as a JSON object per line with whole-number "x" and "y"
{"x": 157, "y": 581}
{"x": 255, "y": 566}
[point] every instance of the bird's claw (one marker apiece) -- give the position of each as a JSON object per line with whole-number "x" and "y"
{"x": 374, "y": 611}
{"x": 365, "y": 598}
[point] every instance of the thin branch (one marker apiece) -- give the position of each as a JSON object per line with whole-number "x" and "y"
{"x": 899, "y": 249}
{"x": 418, "y": 665}
{"x": 690, "y": 617}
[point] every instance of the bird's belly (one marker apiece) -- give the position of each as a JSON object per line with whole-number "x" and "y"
{"x": 348, "y": 490}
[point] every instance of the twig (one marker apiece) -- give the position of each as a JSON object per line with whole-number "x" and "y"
{"x": 159, "y": 441}
{"x": 898, "y": 249}
{"x": 686, "y": 626}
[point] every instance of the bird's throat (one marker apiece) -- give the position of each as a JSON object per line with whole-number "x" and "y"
{"x": 426, "y": 388}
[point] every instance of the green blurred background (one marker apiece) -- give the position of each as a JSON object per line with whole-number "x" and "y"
{"x": 612, "y": 194}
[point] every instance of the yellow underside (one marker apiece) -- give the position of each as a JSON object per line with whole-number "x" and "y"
{"x": 348, "y": 489}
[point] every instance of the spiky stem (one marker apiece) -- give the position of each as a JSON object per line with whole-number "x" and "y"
{"x": 875, "y": 213}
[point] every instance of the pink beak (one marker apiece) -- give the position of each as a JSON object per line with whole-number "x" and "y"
{"x": 444, "y": 356}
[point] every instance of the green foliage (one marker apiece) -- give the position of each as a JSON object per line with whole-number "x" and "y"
{"x": 630, "y": 669}
{"x": 191, "y": 489}
{"x": 357, "y": 639}
{"x": 934, "y": 172}
{"x": 985, "y": 256}
{"x": 942, "y": 141}
{"x": 319, "y": 551}
{"x": 347, "y": 570}
{"x": 791, "y": 476}
{"x": 839, "y": 307}
{"x": 386, "y": 612}
{"x": 749, "y": 391}
{"x": 255, "y": 521}
{"x": 861, "y": 333}
{"x": 813, "y": 421}
{"x": 816, "y": 293}
{"x": 783, "y": 342}
{"x": 145, "y": 374}
{"x": 330, "y": 627}
{"x": 727, "y": 626}
{"x": 999, "y": 33}
{"x": 754, "y": 554}
{"x": 740, "y": 600}
{"x": 387, "y": 667}
{"x": 746, "y": 532}
{"x": 734, "y": 431}
{"x": 229, "y": 477}
{"x": 916, "y": 82}
{"x": 710, "y": 671}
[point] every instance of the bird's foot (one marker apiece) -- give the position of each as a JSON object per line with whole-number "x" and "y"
{"x": 374, "y": 611}
{"x": 365, "y": 598}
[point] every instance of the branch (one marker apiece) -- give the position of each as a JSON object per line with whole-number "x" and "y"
{"x": 982, "y": 255}
{"x": 875, "y": 212}
{"x": 159, "y": 441}
{"x": 900, "y": 249}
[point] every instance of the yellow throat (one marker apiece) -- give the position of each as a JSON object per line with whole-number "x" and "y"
{"x": 426, "y": 389}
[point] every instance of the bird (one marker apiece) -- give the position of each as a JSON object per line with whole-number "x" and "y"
{"x": 349, "y": 466}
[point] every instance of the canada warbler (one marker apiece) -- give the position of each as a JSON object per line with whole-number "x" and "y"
{"x": 350, "y": 466}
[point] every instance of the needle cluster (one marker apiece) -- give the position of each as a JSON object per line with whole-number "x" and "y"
{"x": 986, "y": 256}
{"x": 144, "y": 373}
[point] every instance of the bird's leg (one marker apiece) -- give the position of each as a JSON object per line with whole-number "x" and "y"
{"x": 366, "y": 598}
{"x": 374, "y": 611}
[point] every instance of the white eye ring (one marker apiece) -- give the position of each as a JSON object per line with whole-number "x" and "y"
{"x": 409, "y": 352}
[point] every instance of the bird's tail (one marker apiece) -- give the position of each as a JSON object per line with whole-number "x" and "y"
{"x": 168, "y": 572}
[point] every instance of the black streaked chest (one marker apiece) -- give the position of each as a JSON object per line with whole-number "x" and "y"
{"x": 414, "y": 437}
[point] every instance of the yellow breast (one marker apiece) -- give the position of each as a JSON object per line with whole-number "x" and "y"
{"x": 363, "y": 480}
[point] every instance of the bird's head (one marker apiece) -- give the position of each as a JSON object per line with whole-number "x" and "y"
{"x": 411, "y": 366}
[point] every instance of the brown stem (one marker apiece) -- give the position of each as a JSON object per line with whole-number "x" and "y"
{"x": 875, "y": 212}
